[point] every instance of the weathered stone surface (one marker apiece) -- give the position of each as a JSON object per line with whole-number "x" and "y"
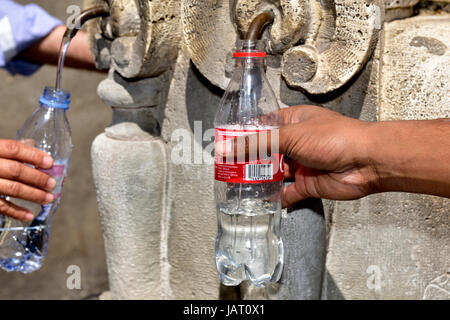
{"x": 388, "y": 246}
{"x": 99, "y": 42}
{"x": 390, "y": 4}
{"x": 124, "y": 20}
{"x": 396, "y": 245}
{"x": 399, "y": 9}
{"x": 438, "y": 289}
{"x": 142, "y": 37}
{"x": 351, "y": 37}
{"x": 364, "y": 259}
{"x": 131, "y": 193}
{"x": 193, "y": 222}
{"x": 302, "y": 63}
{"x": 338, "y": 37}
{"x": 117, "y": 91}
{"x": 418, "y": 49}
{"x": 210, "y": 37}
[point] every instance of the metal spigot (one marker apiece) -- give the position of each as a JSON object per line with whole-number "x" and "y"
{"x": 88, "y": 14}
{"x": 258, "y": 25}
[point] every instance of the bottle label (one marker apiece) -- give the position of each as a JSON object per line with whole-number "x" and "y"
{"x": 58, "y": 172}
{"x": 260, "y": 168}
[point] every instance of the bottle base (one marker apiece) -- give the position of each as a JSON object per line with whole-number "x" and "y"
{"x": 232, "y": 275}
{"x": 26, "y": 264}
{"x": 261, "y": 282}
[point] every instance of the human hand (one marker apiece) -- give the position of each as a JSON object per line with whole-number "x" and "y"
{"x": 339, "y": 158}
{"x": 327, "y": 155}
{"x": 21, "y": 181}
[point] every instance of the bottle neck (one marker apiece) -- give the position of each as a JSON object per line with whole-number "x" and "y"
{"x": 55, "y": 99}
{"x": 57, "y": 115}
{"x": 250, "y": 63}
{"x": 51, "y": 110}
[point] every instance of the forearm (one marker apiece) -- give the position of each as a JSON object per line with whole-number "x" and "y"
{"x": 411, "y": 156}
{"x": 46, "y": 50}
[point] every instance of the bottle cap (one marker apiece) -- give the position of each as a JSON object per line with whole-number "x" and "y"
{"x": 252, "y": 54}
{"x": 53, "y": 98}
{"x": 249, "y": 49}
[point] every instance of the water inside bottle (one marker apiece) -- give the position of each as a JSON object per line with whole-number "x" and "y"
{"x": 22, "y": 245}
{"x": 248, "y": 246}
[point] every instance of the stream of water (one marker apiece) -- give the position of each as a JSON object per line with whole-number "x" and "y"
{"x": 61, "y": 57}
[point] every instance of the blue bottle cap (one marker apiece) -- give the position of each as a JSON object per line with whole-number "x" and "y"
{"x": 55, "y": 98}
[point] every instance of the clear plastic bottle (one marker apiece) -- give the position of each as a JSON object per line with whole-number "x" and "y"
{"x": 248, "y": 191}
{"x": 23, "y": 245}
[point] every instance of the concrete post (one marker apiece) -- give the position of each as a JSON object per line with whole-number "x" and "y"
{"x": 129, "y": 163}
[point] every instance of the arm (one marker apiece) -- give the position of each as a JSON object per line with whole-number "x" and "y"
{"x": 335, "y": 157}
{"x": 46, "y": 50}
{"x": 412, "y": 156}
{"x": 29, "y": 37}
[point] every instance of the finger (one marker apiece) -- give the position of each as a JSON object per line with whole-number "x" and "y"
{"x": 289, "y": 170}
{"x": 11, "y": 210}
{"x": 249, "y": 147}
{"x": 291, "y": 195}
{"x": 30, "y": 142}
{"x": 289, "y": 115}
{"x": 297, "y": 114}
{"x": 279, "y": 140}
{"x": 16, "y": 171}
{"x": 255, "y": 146}
{"x": 22, "y": 191}
{"x": 15, "y": 150}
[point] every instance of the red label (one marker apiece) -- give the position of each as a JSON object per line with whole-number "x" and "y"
{"x": 266, "y": 168}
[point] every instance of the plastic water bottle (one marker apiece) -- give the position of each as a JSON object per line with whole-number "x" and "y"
{"x": 248, "y": 190}
{"x": 23, "y": 245}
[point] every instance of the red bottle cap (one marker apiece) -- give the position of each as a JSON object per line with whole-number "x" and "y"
{"x": 245, "y": 54}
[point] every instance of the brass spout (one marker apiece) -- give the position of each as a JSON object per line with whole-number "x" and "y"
{"x": 258, "y": 24}
{"x": 88, "y": 14}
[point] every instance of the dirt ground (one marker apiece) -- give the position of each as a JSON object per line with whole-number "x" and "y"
{"x": 76, "y": 237}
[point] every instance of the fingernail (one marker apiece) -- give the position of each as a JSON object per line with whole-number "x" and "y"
{"x": 29, "y": 216}
{"x": 49, "y": 198}
{"x": 51, "y": 183}
{"x": 47, "y": 161}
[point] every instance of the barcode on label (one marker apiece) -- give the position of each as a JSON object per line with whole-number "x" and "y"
{"x": 258, "y": 172}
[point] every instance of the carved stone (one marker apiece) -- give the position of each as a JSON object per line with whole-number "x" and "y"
{"x": 336, "y": 54}
{"x": 131, "y": 222}
{"x": 338, "y": 36}
{"x": 142, "y": 37}
{"x": 291, "y": 25}
{"x": 210, "y": 37}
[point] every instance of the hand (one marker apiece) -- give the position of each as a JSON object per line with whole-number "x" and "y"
{"x": 339, "y": 158}
{"x": 326, "y": 154}
{"x": 21, "y": 181}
